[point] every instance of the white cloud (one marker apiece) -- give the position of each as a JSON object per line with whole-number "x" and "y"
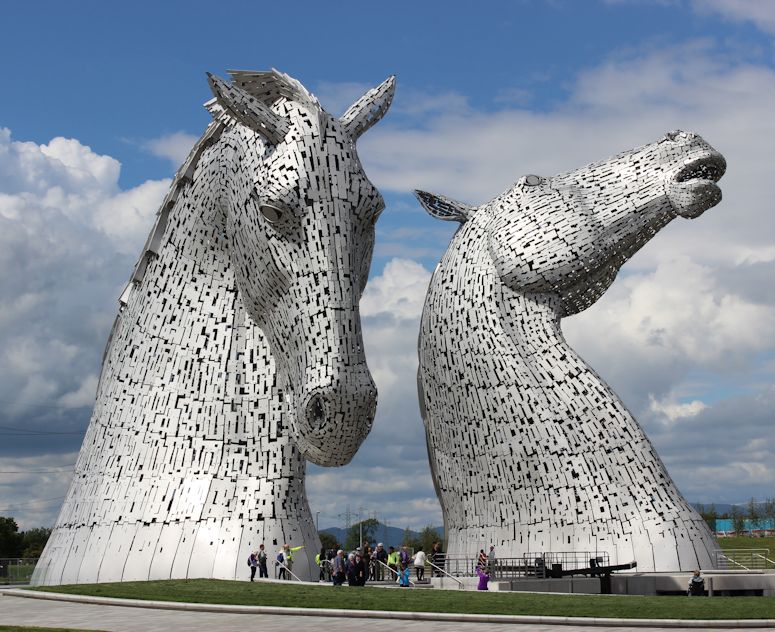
{"x": 174, "y": 147}
{"x": 673, "y": 410}
{"x": 691, "y": 313}
{"x": 393, "y": 460}
{"x": 627, "y": 101}
{"x": 399, "y": 291}
{"x": 69, "y": 236}
{"x": 760, "y": 12}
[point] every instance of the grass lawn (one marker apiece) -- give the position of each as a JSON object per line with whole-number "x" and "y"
{"x": 747, "y": 542}
{"x": 372, "y": 598}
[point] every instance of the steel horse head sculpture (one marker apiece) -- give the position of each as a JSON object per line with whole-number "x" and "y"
{"x": 237, "y": 351}
{"x": 530, "y": 449}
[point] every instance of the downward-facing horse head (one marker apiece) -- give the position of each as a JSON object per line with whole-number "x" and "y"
{"x": 529, "y": 448}
{"x": 237, "y": 351}
{"x": 299, "y": 212}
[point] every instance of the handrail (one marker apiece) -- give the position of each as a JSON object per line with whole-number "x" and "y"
{"x": 288, "y": 570}
{"x": 461, "y": 584}
{"x": 764, "y": 557}
{"x": 729, "y": 559}
{"x": 390, "y": 569}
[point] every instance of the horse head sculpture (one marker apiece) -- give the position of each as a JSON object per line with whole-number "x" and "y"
{"x": 236, "y": 353}
{"x": 569, "y": 234}
{"x": 529, "y": 448}
{"x": 300, "y": 216}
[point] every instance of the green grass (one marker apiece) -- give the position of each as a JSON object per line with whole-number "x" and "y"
{"x": 372, "y": 598}
{"x": 747, "y": 542}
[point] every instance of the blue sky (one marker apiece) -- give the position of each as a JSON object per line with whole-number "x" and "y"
{"x": 487, "y": 91}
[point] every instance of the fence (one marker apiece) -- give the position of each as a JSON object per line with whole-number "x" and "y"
{"x": 745, "y": 559}
{"x": 16, "y": 570}
{"x": 529, "y": 565}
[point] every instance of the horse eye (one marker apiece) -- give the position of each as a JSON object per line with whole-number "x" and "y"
{"x": 272, "y": 214}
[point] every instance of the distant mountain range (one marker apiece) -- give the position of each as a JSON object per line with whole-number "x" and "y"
{"x": 389, "y": 536}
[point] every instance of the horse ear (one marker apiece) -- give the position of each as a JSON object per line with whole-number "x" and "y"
{"x": 445, "y": 208}
{"x": 369, "y": 109}
{"x": 248, "y": 110}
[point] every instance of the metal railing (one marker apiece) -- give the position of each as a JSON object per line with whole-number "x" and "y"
{"x": 17, "y": 570}
{"x": 445, "y": 573}
{"x": 744, "y": 559}
{"x": 530, "y": 565}
{"x": 287, "y": 570}
{"x": 395, "y": 572}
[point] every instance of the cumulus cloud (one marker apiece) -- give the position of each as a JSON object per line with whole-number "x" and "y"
{"x": 69, "y": 236}
{"x": 174, "y": 147}
{"x": 685, "y": 335}
{"x": 393, "y": 458}
{"x": 698, "y": 86}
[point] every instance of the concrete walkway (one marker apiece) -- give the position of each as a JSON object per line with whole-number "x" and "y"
{"x": 157, "y": 616}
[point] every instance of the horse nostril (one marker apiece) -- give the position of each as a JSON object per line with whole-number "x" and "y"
{"x": 316, "y": 411}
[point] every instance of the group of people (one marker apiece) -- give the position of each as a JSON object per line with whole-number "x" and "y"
{"x": 485, "y": 567}
{"x": 374, "y": 564}
{"x": 283, "y": 560}
{"x": 361, "y": 565}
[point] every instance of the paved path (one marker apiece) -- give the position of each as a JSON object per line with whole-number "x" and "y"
{"x": 36, "y": 612}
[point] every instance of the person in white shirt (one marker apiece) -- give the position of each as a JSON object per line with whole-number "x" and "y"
{"x": 419, "y": 565}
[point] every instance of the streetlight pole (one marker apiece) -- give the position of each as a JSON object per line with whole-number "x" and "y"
{"x": 317, "y": 521}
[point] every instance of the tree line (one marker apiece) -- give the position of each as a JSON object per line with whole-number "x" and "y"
{"x": 15, "y": 543}
{"x": 367, "y": 529}
{"x": 758, "y": 513}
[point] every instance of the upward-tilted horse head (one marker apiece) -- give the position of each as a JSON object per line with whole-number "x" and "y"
{"x": 529, "y": 448}
{"x": 569, "y": 234}
{"x": 299, "y": 216}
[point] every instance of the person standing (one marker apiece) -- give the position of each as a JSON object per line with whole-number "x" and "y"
{"x": 361, "y": 571}
{"x": 392, "y": 560}
{"x": 352, "y": 578}
{"x": 419, "y": 565}
{"x": 288, "y": 552}
{"x": 320, "y": 560}
{"x": 280, "y": 561}
{"x": 262, "y": 570}
{"x": 484, "y": 578}
{"x": 381, "y": 556}
{"x": 491, "y": 560}
{"x": 338, "y": 568}
{"x": 253, "y": 564}
{"x": 437, "y": 557}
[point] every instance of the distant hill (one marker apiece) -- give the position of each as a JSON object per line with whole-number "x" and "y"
{"x": 389, "y": 536}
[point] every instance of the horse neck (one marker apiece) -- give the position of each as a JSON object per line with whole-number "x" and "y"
{"x": 185, "y": 359}
{"x": 505, "y": 339}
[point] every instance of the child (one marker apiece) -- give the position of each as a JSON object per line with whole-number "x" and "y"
{"x": 403, "y": 575}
